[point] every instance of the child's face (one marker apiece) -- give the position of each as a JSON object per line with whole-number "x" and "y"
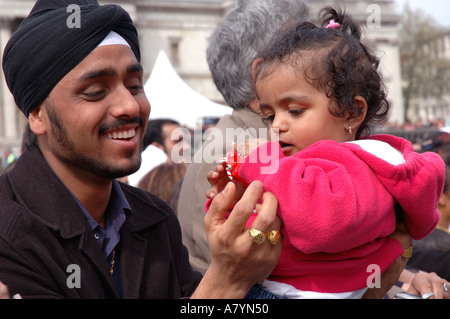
{"x": 298, "y": 110}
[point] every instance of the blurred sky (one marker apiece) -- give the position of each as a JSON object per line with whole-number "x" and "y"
{"x": 439, "y": 9}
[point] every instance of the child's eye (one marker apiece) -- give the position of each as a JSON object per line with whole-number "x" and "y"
{"x": 268, "y": 119}
{"x": 296, "y": 112}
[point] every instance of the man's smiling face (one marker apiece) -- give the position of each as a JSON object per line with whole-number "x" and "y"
{"x": 95, "y": 117}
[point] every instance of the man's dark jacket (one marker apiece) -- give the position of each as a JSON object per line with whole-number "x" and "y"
{"x": 43, "y": 231}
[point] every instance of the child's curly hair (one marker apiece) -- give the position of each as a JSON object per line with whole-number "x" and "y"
{"x": 335, "y": 62}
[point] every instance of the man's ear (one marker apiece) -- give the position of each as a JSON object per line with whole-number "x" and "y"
{"x": 37, "y": 121}
{"x": 358, "y": 117}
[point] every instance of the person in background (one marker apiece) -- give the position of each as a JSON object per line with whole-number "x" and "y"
{"x": 174, "y": 197}
{"x": 163, "y": 179}
{"x": 432, "y": 254}
{"x": 161, "y": 136}
{"x": 435, "y": 141}
{"x": 440, "y": 237}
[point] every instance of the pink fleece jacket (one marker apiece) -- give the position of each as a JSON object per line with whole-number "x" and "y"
{"x": 337, "y": 201}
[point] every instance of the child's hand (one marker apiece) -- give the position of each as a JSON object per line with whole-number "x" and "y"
{"x": 219, "y": 177}
{"x": 218, "y": 180}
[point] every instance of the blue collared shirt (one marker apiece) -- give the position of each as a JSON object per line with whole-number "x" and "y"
{"x": 115, "y": 216}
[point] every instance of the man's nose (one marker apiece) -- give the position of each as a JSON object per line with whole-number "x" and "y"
{"x": 125, "y": 104}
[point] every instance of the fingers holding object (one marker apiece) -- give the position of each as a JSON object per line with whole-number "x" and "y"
{"x": 267, "y": 224}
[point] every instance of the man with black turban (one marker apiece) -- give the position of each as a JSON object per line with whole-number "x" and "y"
{"x": 68, "y": 229}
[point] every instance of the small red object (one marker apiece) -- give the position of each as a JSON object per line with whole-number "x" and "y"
{"x": 231, "y": 163}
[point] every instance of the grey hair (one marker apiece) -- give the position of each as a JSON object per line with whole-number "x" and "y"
{"x": 246, "y": 30}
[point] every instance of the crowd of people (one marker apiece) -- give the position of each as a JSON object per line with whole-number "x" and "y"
{"x": 96, "y": 186}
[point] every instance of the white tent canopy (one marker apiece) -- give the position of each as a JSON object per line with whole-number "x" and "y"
{"x": 171, "y": 97}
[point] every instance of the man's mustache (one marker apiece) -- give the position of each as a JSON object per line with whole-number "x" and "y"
{"x": 112, "y": 126}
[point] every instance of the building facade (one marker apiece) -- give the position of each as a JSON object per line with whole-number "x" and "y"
{"x": 181, "y": 28}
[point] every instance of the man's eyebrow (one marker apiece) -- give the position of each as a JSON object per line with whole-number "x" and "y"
{"x": 109, "y": 72}
{"x": 135, "y": 68}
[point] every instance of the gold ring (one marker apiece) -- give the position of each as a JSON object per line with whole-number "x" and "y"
{"x": 408, "y": 252}
{"x": 273, "y": 236}
{"x": 256, "y": 236}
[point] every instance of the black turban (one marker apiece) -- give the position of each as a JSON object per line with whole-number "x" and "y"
{"x": 49, "y": 43}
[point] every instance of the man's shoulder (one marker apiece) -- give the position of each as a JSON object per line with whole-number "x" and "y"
{"x": 148, "y": 209}
{"x": 12, "y": 214}
{"x": 5, "y": 187}
{"x": 8, "y": 201}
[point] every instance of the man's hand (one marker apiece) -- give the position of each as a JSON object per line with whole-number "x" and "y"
{"x": 237, "y": 263}
{"x": 4, "y": 292}
{"x": 423, "y": 283}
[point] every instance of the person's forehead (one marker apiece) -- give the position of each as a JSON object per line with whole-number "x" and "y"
{"x": 112, "y": 59}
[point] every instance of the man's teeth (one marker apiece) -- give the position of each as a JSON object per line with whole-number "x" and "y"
{"x": 121, "y": 135}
